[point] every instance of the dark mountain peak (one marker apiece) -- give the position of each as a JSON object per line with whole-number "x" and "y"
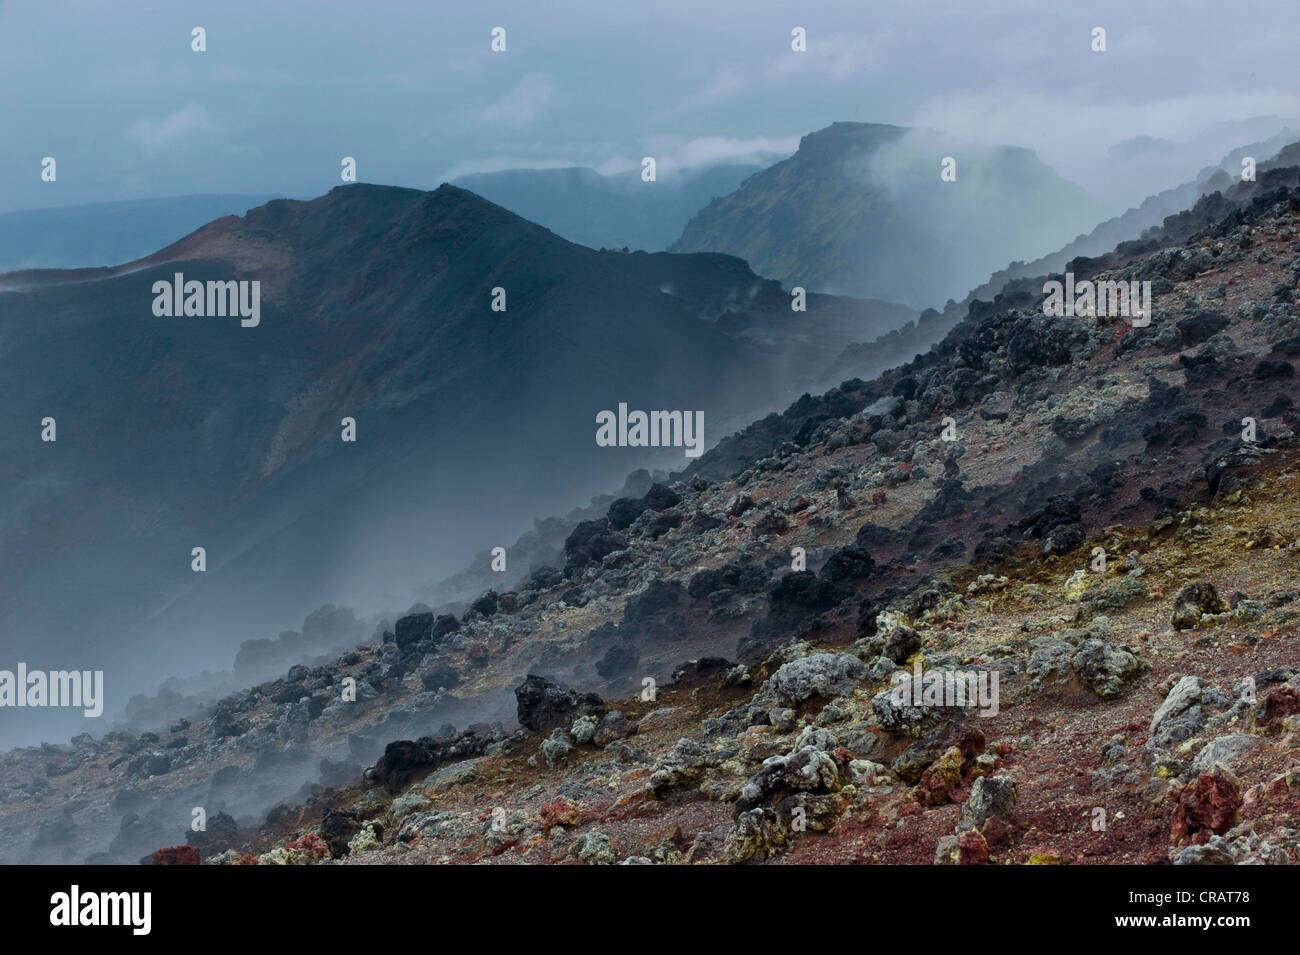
{"x": 350, "y": 222}
{"x": 849, "y": 135}
{"x": 363, "y": 206}
{"x": 861, "y": 209}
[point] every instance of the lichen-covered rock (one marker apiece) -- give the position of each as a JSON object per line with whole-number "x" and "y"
{"x": 407, "y": 803}
{"x": 1216, "y": 851}
{"x": 232, "y": 857}
{"x": 370, "y": 836}
{"x": 939, "y": 779}
{"x": 805, "y": 770}
{"x": 1179, "y": 717}
{"x": 413, "y": 628}
{"x": 457, "y": 774}
{"x": 1050, "y": 662}
{"x": 990, "y": 796}
{"x": 864, "y": 772}
{"x": 403, "y": 759}
{"x": 1076, "y": 585}
{"x": 682, "y": 765}
{"x": 1113, "y": 597}
{"x": 583, "y": 730}
{"x": 912, "y": 762}
{"x": 901, "y": 643}
{"x": 1224, "y": 751}
{"x": 561, "y": 811}
{"x": 543, "y": 705}
{"x": 945, "y": 851}
{"x": 757, "y": 832}
{"x": 337, "y": 828}
{"x": 593, "y": 848}
{"x": 614, "y": 726}
{"x": 1062, "y": 539}
{"x": 1248, "y": 611}
{"x": 311, "y": 849}
{"x": 823, "y": 675}
{"x": 902, "y": 718}
{"x": 1105, "y": 668}
{"x": 556, "y": 747}
{"x": 1194, "y": 601}
{"x": 428, "y": 825}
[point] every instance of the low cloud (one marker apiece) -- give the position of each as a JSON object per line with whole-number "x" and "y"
{"x": 835, "y": 56}
{"x": 501, "y": 163}
{"x": 830, "y": 58}
{"x": 672, "y": 153}
{"x": 1056, "y": 124}
{"x": 726, "y": 82}
{"x": 523, "y": 103}
{"x": 153, "y": 135}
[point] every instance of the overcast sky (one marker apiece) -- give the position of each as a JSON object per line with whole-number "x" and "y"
{"x": 113, "y": 91}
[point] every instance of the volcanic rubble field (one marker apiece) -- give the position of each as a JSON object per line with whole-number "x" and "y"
{"x": 1148, "y": 711}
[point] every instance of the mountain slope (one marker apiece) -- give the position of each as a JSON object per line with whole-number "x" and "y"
{"x": 1150, "y": 214}
{"x": 1122, "y": 688}
{"x": 860, "y": 210}
{"x": 1159, "y": 686}
{"x": 375, "y": 305}
{"x": 1144, "y": 165}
